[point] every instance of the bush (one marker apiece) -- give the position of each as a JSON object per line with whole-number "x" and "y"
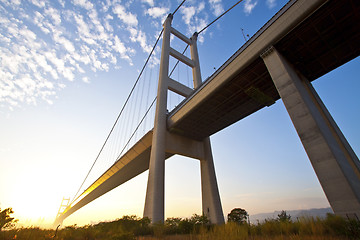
{"x": 172, "y": 225}
{"x": 353, "y": 229}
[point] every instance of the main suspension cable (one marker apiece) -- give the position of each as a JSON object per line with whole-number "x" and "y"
{"x": 178, "y": 7}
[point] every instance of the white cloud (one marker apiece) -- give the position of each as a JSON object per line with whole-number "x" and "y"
{"x": 16, "y": 2}
{"x": 58, "y": 63}
{"x": 85, "y": 80}
{"x": 83, "y": 30}
{"x": 62, "y": 3}
{"x": 54, "y": 14}
{"x": 195, "y": 18}
{"x": 38, "y": 20}
{"x": 119, "y": 46}
{"x": 201, "y": 23}
{"x": 127, "y": 17}
{"x": 271, "y": 3}
{"x": 150, "y": 2}
{"x": 157, "y": 12}
{"x": 140, "y": 37}
{"x": 121, "y": 49}
{"x": 217, "y": 7}
{"x": 68, "y": 74}
{"x": 42, "y": 62}
{"x": 201, "y": 6}
{"x": 83, "y": 3}
{"x": 249, "y": 6}
{"x": 38, "y": 3}
{"x": 27, "y": 34}
{"x": 4, "y": 20}
{"x": 67, "y": 44}
{"x": 188, "y": 13}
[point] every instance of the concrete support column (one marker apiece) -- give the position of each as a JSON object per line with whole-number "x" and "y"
{"x": 335, "y": 163}
{"x": 211, "y": 203}
{"x": 154, "y": 202}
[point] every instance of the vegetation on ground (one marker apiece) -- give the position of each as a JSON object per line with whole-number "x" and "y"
{"x": 195, "y": 228}
{"x": 6, "y": 221}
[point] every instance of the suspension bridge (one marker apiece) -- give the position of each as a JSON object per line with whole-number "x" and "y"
{"x": 300, "y": 43}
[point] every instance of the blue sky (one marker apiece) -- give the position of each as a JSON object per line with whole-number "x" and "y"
{"x": 66, "y": 68}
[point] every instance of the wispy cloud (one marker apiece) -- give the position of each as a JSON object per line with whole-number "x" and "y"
{"x": 271, "y": 3}
{"x": 38, "y": 3}
{"x": 249, "y": 6}
{"x": 216, "y": 6}
{"x": 127, "y": 17}
{"x": 150, "y": 2}
{"x": 157, "y": 12}
{"x": 139, "y": 37}
{"x": 196, "y": 18}
{"x": 83, "y": 3}
{"x": 188, "y": 14}
{"x": 54, "y": 15}
{"x": 85, "y": 80}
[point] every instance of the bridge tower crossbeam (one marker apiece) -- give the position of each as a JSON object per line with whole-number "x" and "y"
{"x": 165, "y": 142}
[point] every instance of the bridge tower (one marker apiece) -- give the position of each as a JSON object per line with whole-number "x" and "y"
{"x": 64, "y": 204}
{"x": 165, "y": 142}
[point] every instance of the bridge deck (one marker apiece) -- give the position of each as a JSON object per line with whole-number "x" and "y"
{"x": 316, "y": 36}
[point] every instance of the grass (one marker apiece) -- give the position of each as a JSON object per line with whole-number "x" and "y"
{"x": 197, "y": 228}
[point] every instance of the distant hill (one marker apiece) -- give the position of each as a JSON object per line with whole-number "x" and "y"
{"x": 314, "y": 212}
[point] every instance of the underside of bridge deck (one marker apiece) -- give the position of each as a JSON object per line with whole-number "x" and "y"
{"x": 327, "y": 39}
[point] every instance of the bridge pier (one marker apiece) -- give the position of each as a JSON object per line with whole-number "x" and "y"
{"x": 335, "y": 163}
